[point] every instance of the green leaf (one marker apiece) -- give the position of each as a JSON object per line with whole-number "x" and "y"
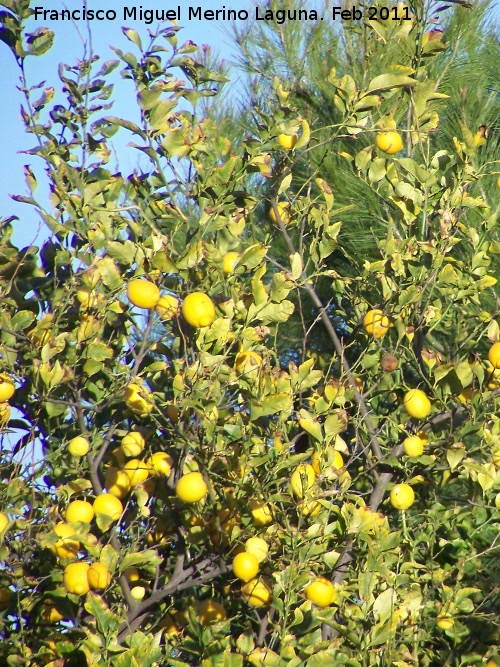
{"x": 270, "y": 405}
{"x": 96, "y": 607}
{"x": 133, "y": 36}
{"x": 296, "y": 265}
{"x": 22, "y": 320}
{"x": 389, "y": 81}
{"x": 147, "y": 557}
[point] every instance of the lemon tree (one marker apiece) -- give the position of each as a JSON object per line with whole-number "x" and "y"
{"x": 232, "y": 433}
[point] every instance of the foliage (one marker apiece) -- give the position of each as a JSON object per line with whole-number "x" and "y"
{"x": 418, "y": 586}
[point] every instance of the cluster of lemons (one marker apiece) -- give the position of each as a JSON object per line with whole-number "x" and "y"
{"x": 416, "y": 403}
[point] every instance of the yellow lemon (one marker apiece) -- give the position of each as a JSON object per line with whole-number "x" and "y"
{"x": 67, "y": 545}
{"x": 261, "y": 514}
{"x": 389, "y": 142}
{"x": 245, "y": 566}
{"x": 99, "y": 576}
{"x": 494, "y": 355}
{"x": 108, "y": 505}
{"x": 417, "y": 404}
{"x": 132, "y": 574}
{"x": 78, "y": 446}
{"x": 167, "y": 307}
{"x": 284, "y": 212}
{"x": 229, "y": 262}
{"x": 79, "y": 510}
{"x": 287, "y": 141}
{"x": 50, "y": 613}
{"x": 198, "y": 309}
{"x": 138, "y": 592}
{"x": 413, "y": 446}
{"x": 402, "y": 496}
{"x": 137, "y": 471}
{"x": 321, "y": 591}
{"x": 75, "y": 578}
{"x": 117, "y": 482}
{"x": 318, "y": 465}
{"x": 445, "y": 622}
{"x": 143, "y": 293}
{"x": 302, "y": 479}
{"x": 161, "y": 463}
{"x": 7, "y": 388}
{"x": 4, "y": 413}
{"x": 375, "y": 323}
{"x": 256, "y": 593}
{"x": 133, "y": 443}
{"x": 138, "y": 399}
{"x": 191, "y": 488}
{"x": 309, "y": 508}
{"x": 258, "y": 547}
{"x": 4, "y": 522}
{"x": 210, "y": 612}
{"x": 247, "y": 363}
{"x": 497, "y": 501}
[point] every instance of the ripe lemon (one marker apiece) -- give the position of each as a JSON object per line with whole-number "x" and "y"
{"x": 389, "y": 142}
{"x": 498, "y": 182}
{"x": 191, "y": 487}
{"x": 284, "y": 212}
{"x": 66, "y": 546}
{"x": 247, "y": 362}
{"x": 50, "y": 613}
{"x": 417, "y": 404}
{"x": 318, "y": 465}
{"x": 75, "y": 578}
{"x": 494, "y": 355}
{"x": 99, "y": 576}
{"x": 222, "y": 526}
{"x": 79, "y": 510}
{"x": 117, "y": 482}
{"x": 302, "y": 479}
{"x": 256, "y": 593}
{"x": 497, "y": 501}
{"x": 7, "y": 388}
{"x": 78, "y": 446}
{"x": 137, "y": 471}
{"x": 138, "y": 399}
{"x": 445, "y": 622}
{"x": 413, "y": 446}
{"x": 4, "y": 522}
{"x": 375, "y": 323}
{"x": 321, "y": 591}
{"x": 261, "y": 514}
{"x": 210, "y": 612}
{"x": 257, "y": 547}
{"x": 161, "y": 463}
{"x": 402, "y": 496}
{"x": 138, "y": 592}
{"x": 229, "y": 262}
{"x": 167, "y": 307}
{"x": 133, "y": 443}
{"x": 132, "y": 574}
{"x": 108, "y": 505}
{"x": 245, "y": 566}
{"x": 287, "y": 141}
{"x": 198, "y": 309}
{"x": 143, "y": 293}
{"x": 309, "y": 507}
